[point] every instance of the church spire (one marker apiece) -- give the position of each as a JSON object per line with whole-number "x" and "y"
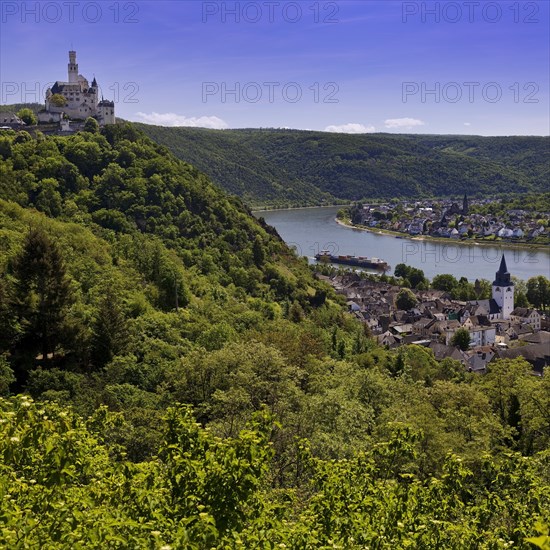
{"x": 465, "y": 205}
{"x": 503, "y": 290}
{"x": 502, "y": 277}
{"x": 503, "y": 268}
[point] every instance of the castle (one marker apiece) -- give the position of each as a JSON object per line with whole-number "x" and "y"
{"x": 81, "y": 99}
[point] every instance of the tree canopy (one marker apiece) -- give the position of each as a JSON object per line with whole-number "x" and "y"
{"x": 173, "y": 375}
{"x": 291, "y": 167}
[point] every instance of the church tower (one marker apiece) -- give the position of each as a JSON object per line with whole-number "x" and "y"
{"x": 503, "y": 290}
{"x": 73, "y": 68}
{"x": 465, "y": 206}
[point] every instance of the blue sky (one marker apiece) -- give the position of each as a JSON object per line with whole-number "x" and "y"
{"x": 477, "y": 67}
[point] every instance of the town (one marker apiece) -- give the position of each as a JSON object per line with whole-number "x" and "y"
{"x": 496, "y": 328}
{"x": 474, "y": 219}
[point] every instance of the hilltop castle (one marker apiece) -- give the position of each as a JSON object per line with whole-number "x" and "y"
{"x": 81, "y": 99}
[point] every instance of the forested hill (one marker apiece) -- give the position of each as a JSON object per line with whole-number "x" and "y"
{"x": 292, "y": 166}
{"x": 172, "y": 376}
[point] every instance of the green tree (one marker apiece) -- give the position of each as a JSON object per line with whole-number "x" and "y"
{"x": 461, "y": 339}
{"x": 48, "y": 199}
{"x": 5, "y": 148}
{"x": 258, "y": 252}
{"x": 110, "y": 330}
{"x": 444, "y": 282}
{"x": 538, "y": 291}
{"x": 482, "y": 289}
{"x": 296, "y": 313}
{"x": 6, "y": 376}
{"x": 8, "y": 328}
{"x": 520, "y": 300}
{"x": 41, "y": 293}
{"x": 28, "y": 117}
{"x": 413, "y": 275}
{"x": 58, "y": 100}
{"x": 405, "y": 299}
{"x": 91, "y": 125}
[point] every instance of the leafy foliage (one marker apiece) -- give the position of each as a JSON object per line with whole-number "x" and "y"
{"x": 461, "y": 339}
{"x": 59, "y": 484}
{"x": 282, "y": 167}
{"x": 196, "y": 387}
{"x": 27, "y": 116}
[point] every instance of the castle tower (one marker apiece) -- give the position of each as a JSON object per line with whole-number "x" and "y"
{"x": 94, "y": 93}
{"x": 503, "y": 290}
{"x": 465, "y": 206}
{"x": 73, "y": 68}
{"x": 106, "y": 112}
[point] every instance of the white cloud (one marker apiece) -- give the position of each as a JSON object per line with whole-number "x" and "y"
{"x": 467, "y": 124}
{"x": 350, "y": 128}
{"x": 173, "y": 119}
{"x": 406, "y": 123}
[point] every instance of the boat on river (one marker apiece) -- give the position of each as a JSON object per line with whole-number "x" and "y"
{"x": 355, "y": 261}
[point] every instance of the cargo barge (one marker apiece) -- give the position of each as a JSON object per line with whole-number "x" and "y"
{"x": 354, "y": 261}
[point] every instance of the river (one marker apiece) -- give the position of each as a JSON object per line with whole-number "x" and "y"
{"x": 311, "y": 230}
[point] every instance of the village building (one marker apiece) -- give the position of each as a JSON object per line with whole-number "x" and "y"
{"x": 494, "y": 325}
{"x": 10, "y": 121}
{"x": 526, "y": 316}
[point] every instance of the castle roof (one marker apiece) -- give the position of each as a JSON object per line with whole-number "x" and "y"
{"x": 10, "y": 118}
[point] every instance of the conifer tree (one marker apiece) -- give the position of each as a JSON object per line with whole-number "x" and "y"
{"x": 41, "y": 293}
{"x": 110, "y": 336}
{"x": 258, "y": 252}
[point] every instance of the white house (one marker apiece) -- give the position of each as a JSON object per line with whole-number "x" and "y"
{"x": 526, "y": 316}
{"x": 479, "y": 335}
{"x": 517, "y": 233}
{"x": 505, "y": 232}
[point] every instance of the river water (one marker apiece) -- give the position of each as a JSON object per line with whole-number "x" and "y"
{"x": 311, "y": 230}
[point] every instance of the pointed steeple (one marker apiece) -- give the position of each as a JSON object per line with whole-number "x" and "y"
{"x": 502, "y": 277}
{"x": 465, "y": 205}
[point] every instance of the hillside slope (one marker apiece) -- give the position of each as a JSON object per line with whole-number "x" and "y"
{"x": 195, "y": 386}
{"x": 301, "y": 167}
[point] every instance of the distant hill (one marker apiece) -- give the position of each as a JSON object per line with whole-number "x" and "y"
{"x": 296, "y": 167}
{"x": 15, "y": 107}
{"x": 301, "y": 167}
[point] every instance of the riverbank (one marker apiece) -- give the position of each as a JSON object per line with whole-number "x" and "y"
{"x": 470, "y": 242}
{"x": 311, "y": 230}
{"x": 275, "y": 208}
